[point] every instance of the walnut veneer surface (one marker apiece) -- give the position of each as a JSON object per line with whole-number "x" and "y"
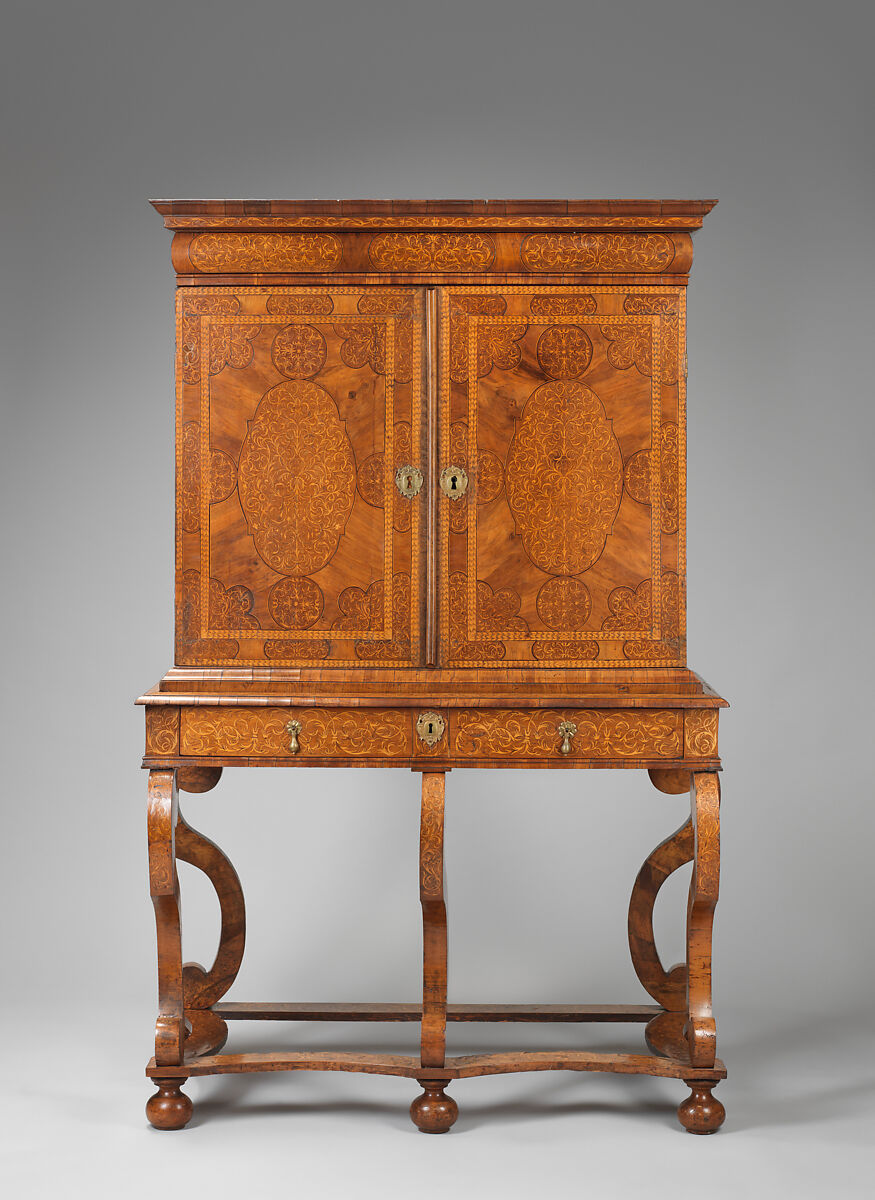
{"x": 430, "y": 513}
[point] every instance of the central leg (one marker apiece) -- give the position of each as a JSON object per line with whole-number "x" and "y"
{"x": 433, "y": 1111}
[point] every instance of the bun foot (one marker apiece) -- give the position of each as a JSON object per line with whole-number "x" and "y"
{"x": 433, "y": 1112}
{"x": 701, "y": 1112}
{"x": 169, "y": 1108}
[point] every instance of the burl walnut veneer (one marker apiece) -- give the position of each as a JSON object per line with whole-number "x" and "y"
{"x": 430, "y": 502}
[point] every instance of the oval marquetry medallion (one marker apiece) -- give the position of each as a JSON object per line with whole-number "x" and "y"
{"x": 564, "y": 351}
{"x": 564, "y": 477}
{"x": 299, "y": 351}
{"x": 296, "y": 477}
{"x": 597, "y": 251}
{"x": 295, "y": 603}
{"x": 431, "y": 251}
{"x": 231, "y": 252}
{"x": 564, "y": 603}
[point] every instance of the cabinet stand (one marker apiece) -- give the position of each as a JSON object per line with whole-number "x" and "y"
{"x": 192, "y": 1022}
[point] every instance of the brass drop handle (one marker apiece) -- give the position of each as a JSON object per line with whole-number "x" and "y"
{"x": 454, "y": 482}
{"x": 408, "y": 481}
{"x": 567, "y": 730}
{"x": 294, "y": 728}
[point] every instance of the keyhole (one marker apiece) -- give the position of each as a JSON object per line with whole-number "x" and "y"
{"x": 453, "y": 481}
{"x": 430, "y": 727}
{"x": 408, "y": 484}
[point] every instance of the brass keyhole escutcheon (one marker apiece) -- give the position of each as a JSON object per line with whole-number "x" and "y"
{"x": 567, "y": 730}
{"x": 430, "y": 727}
{"x": 408, "y": 481}
{"x": 294, "y": 728}
{"x": 454, "y": 482}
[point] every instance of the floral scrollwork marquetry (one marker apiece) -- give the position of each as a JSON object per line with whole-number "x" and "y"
{"x": 223, "y": 477}
{"x": 292, "y": 650}
{"x": 597, "y": 252}
{"x": 371, "y": 480}
{"x": 562, "y": 307}
{"x": 229, "y": 345}
{"x": 431, "y": 843}
{"x": 364, "y": 610}
{"x": 564, "y": 351}
{"x": 497, "y": 345}
{"x": 296, "y": 477}
{"x": 502, "y": 733}
{"x": 162, "y": 729}
{"x": 565, "y": 651}
{"x": 700, "y": 732}
{"x": 637, "y": 477}
{"x": 564, "y": 603}
{"x": 431, "y": 251}
{"x": 230, "y": 609}
{"x": 364, "y": 344}
{"x": 298, "y": 351}
{"x": 297, "y": 305}
{"x": 632, "y": 345}
{"x": 564, "y": 477}
{"x": 632, "y": 609}
{"x": 295, "y": 602}
{"x": 497, "y": 612}
{"x": 218, "y": 253}
{"x": 263, "y": 732}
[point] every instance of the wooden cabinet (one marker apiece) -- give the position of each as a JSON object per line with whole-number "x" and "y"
{"x": 308, "y": 501}
{"x": 430, "y": 507}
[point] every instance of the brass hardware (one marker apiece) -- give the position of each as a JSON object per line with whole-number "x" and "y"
{"x": 294, "y": 728}
{"x": 408, "y": 481}
{"x": 430, "y": 727}
{"x": 454, "y": 482}
{"x": 567, "y": 730}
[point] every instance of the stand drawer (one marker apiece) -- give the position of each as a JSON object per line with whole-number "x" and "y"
{"x": 295, "y": 733}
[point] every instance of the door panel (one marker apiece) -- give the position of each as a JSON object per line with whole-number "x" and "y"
{"x": 294, "y": 545}
{"x": 565, "y": 409}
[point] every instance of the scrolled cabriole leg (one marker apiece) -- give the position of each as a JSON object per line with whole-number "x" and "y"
{"x": 169, "y": 1108}
{"x": 701, "y": 1112}
{"x": 704, "y": 887}
{"x": 433, "y": 1111}
{"x": 164, "y": 890}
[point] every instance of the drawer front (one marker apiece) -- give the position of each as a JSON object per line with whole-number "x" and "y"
{"x": 323, "y": 733}
{"x": 607, "y": 734}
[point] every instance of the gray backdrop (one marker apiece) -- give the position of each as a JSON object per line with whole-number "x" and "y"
{"x": 764, "y": 105}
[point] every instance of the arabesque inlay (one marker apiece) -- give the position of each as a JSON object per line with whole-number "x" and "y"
{"x": 564, "y": 477}
{"x": 296, "y": 477}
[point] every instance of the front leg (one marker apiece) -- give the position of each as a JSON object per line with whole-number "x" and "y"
{"x": 169, "y": 1108}
{"x": 433, "y": 1111}
{"x": 163, "y": 813}
{"x": 704, "y": 888}
{"x": 701, "y": 1112}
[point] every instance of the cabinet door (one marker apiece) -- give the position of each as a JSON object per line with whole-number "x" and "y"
{"x": 295, "y": 408}
{"x": 564, "y": 408}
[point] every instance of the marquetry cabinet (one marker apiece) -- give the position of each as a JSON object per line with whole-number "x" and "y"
{"x": 430, "y": 510}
